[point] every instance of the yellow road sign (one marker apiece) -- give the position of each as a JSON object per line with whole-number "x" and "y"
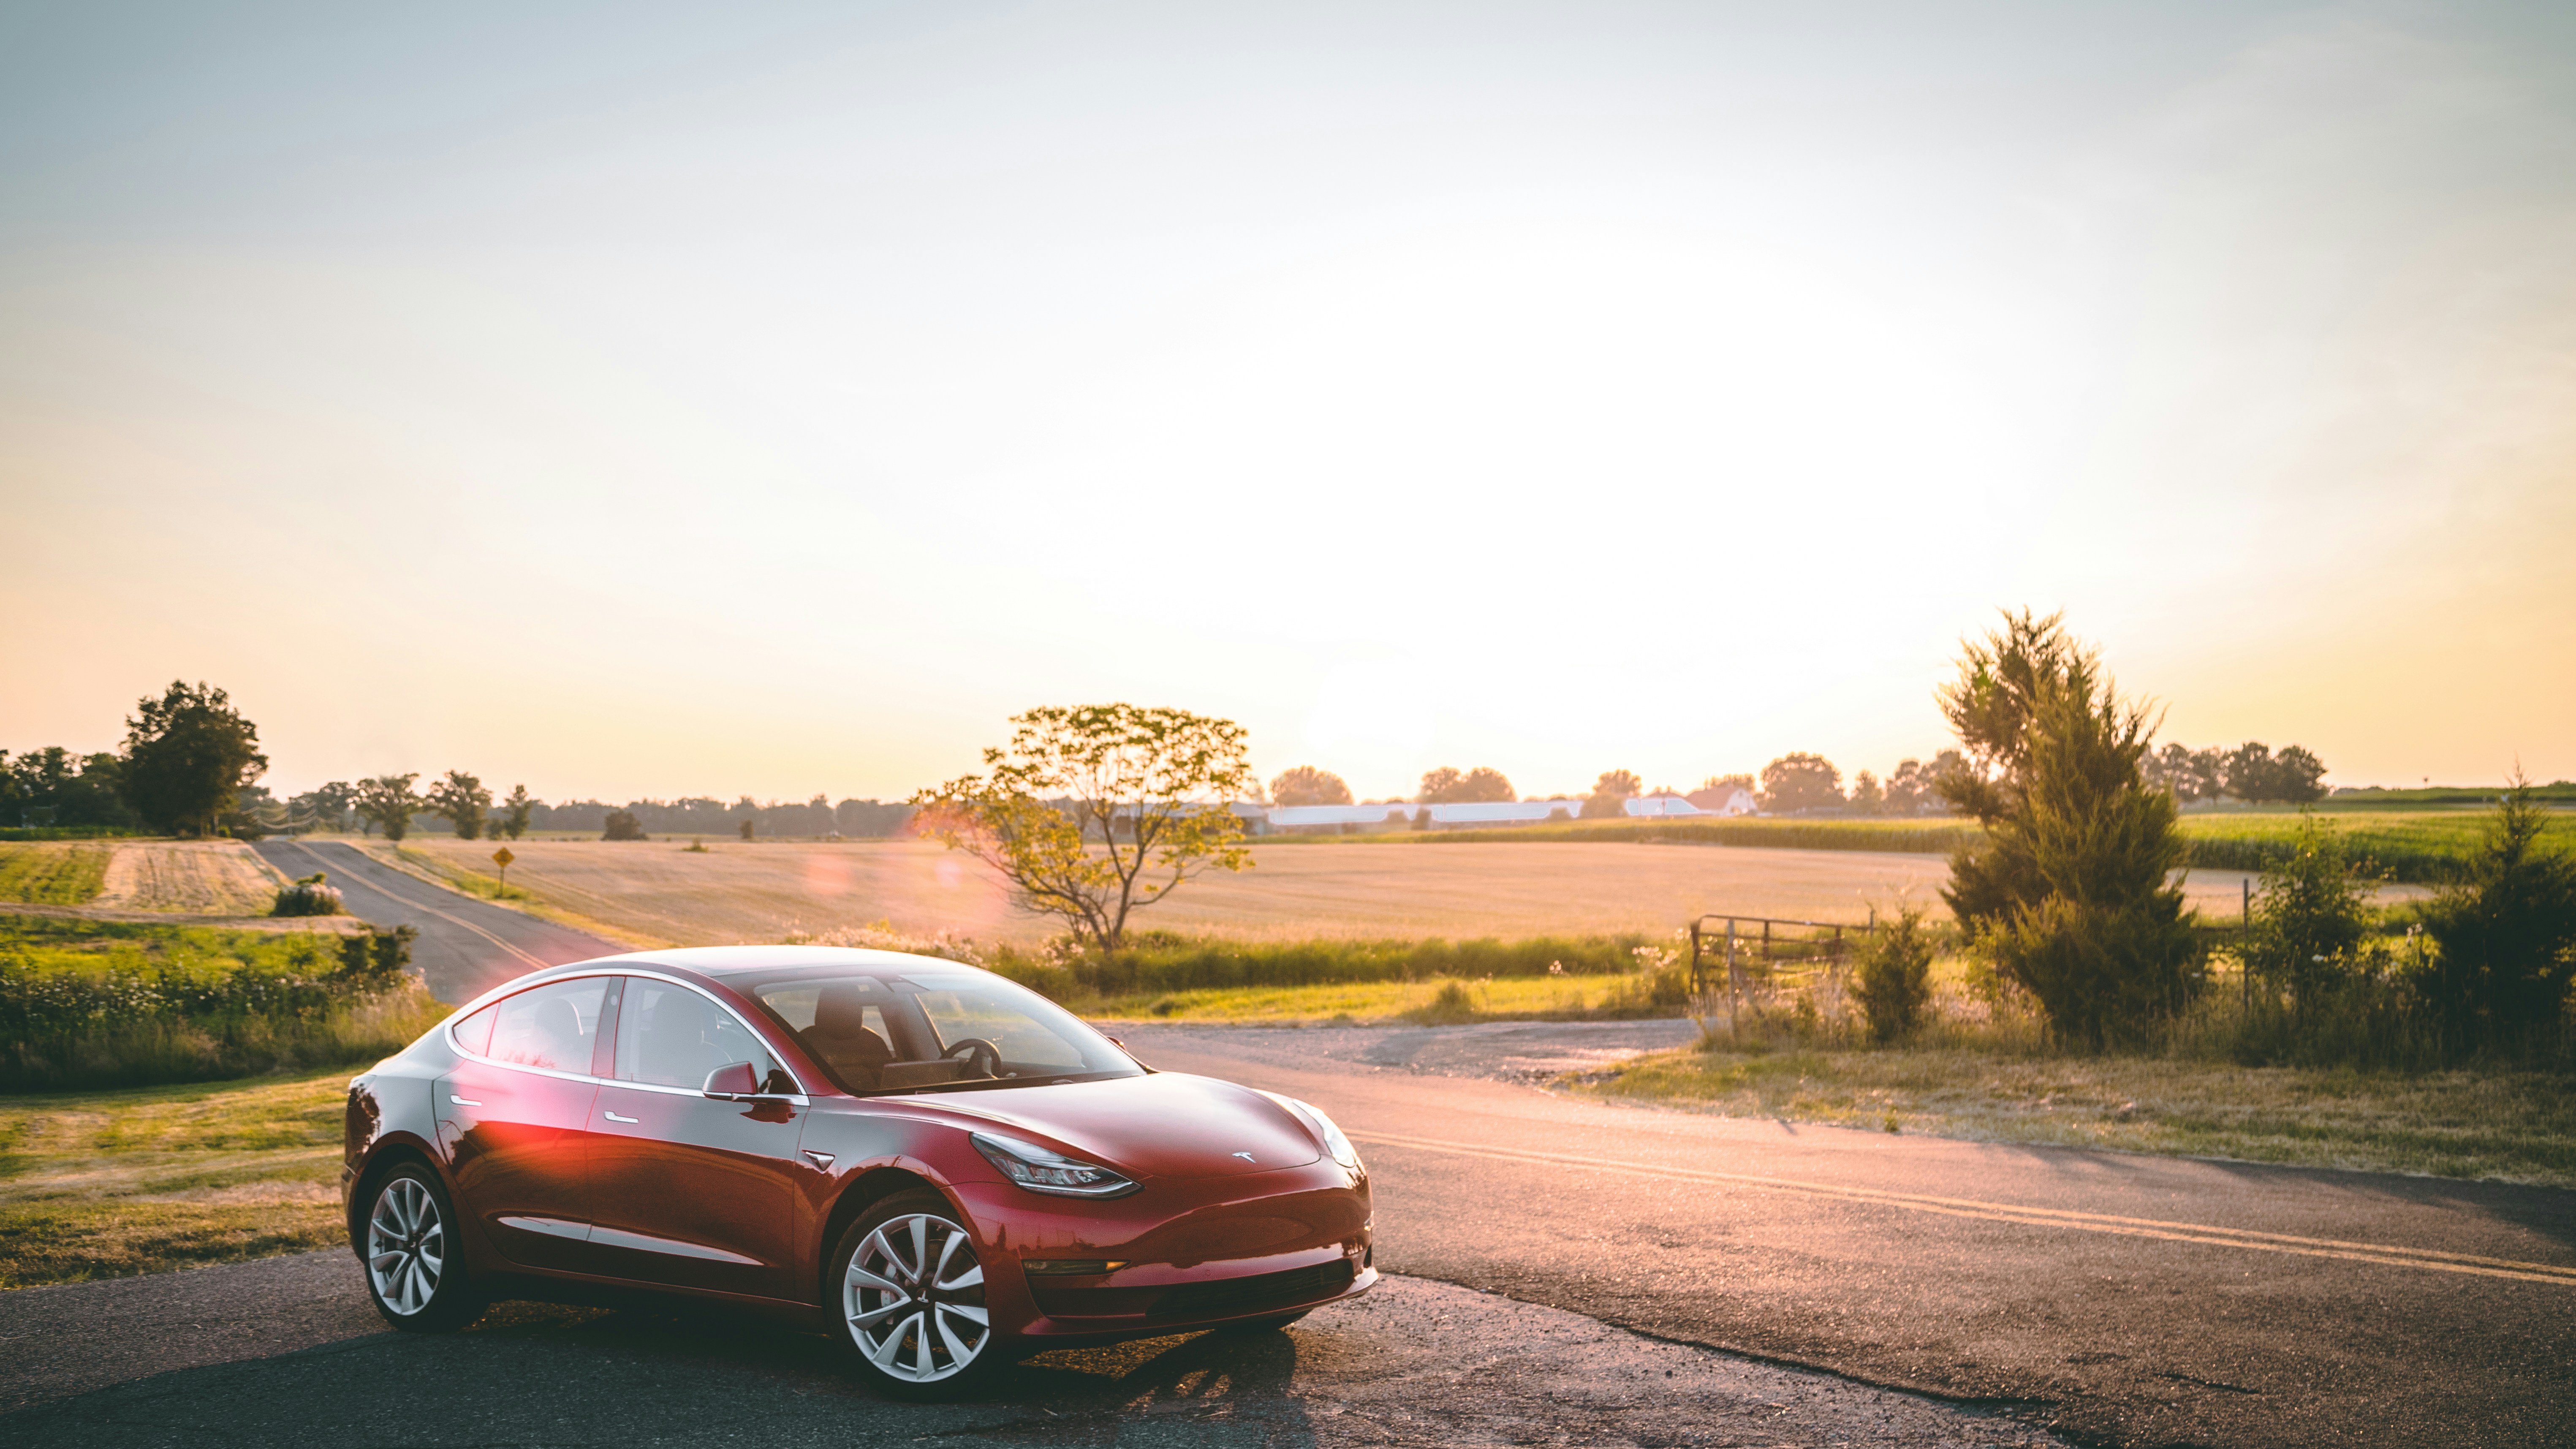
{"x": 503, "y": 857}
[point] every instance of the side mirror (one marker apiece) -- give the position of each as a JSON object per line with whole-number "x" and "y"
{"x": 729, "y": 1083}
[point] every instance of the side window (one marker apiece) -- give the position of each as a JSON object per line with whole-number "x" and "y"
{"x": 474, "y": 1033}
{"x": 670, "y": 1036}
{"x": 554, "y": 1026}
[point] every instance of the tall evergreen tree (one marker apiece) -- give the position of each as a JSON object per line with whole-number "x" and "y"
{"x": 2066, "y": 893}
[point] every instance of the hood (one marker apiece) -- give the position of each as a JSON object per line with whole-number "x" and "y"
{"x": 1167, "y": 1124}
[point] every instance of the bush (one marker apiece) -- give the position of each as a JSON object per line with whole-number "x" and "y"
{"x": 2504, "y": 935}
{"x": 1894, "y": 976}
{"x": 308, "y": 896}
{"x": 622, "y": 825}
{"x": 2311, "y": 918}
{"x": 100, "y": 1004}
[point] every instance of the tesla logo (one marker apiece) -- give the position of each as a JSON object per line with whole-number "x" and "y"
{"x": 1246, "y": 1156}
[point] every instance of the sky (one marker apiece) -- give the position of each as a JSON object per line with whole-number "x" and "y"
{"x": 636, "y": 400}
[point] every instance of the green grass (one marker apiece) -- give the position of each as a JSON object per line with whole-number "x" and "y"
{"x": 2421, "y": 846}
{"x": 2417, "y": 846}
{"x": 52, "y": 874}
{"x": 109, "y": 1184}
{"x": 97, "y": 1003}
{"x": 2515, "y": 1126}
{"x": 1442, "y": 1001}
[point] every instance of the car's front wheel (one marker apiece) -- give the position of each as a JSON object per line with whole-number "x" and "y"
{"x": 908, "y": 1290}
{"x": 415, "y": 1267}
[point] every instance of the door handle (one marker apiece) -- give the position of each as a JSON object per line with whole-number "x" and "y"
{"x": 613, "y": 1117}
{"x": 462, "y": 1101}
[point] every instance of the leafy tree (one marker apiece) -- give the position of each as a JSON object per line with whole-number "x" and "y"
{"x": 1800, "y": 781}
{"x": 53, "y": 786}
{"x": 2311, "y": 916}
{"x": 515, "y": 811}
{"x": 388, "y": 801}
{"x": 187, "y": 756}
{"x": 1895, "y": 976}
{"x": 462, "y": 799}
{"x": 1619, "y": 785}
{"x": 325, "y": 807}
{"x": 1909, "y": 789}
{"x": 1307, "y": 785}
{"x": 1866, "y": 795}
{"x": 622, "y": 825}
{"x": 1096, "y": 811}
{"x": 2190, "y": 774}
{"x": 750, "y": 827}
{"x": 2504, "y": 932}
{"x": 1446, "y": 786}
{"x": 2298, "y": 776}
{"x": 2067, "y": 890}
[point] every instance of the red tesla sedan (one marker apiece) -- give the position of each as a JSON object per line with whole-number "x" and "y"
{"x": 946, "y": 1170}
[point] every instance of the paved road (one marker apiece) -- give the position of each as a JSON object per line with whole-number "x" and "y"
{"x": 466, "y": 946}
{"x": 2139, "y": 1300}
{"x": 285, "y": 1352}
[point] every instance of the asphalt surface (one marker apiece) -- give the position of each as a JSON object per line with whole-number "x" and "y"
{"x": 286, "y": 1352}
{"x": 466, "y": 946}
{"x": 2128, "y": 1299}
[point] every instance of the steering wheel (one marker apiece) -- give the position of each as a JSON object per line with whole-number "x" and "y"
{"x": 980, "y": 1054}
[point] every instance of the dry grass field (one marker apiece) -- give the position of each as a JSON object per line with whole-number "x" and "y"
{"x": 188, "y": 877}
{"x": 661, "y": 891}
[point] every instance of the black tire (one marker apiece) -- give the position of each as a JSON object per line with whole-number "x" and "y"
{"x": 412, "y": 1257}
{"x": 1272, "y": 1324}
{"x": 913, "y": 1330}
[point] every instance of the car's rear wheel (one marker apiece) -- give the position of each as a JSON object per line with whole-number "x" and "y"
{"x": 908, "y": 1290}
{"x": 415, "y": 1270}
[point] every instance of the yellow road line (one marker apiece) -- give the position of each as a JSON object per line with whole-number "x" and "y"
{"x": 432, "y": 910}
{"x": 2390, "y": 1254}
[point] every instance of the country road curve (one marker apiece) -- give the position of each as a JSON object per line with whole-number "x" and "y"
{"x": 2133, "y": 1300}
{"x": 466, "y": 946}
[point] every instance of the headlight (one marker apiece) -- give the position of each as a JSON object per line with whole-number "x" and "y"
{"x": 1040, "y": 1169}
{"x": 1325, "y": 1132}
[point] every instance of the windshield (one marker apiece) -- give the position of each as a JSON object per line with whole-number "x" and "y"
{"x": 936, "y": 1028}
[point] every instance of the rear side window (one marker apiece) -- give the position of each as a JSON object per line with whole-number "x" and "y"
{"x": 555, "y": 1027}
{"x": 474, "y": 1033}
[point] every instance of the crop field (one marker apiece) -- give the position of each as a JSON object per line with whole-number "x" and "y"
{"x": 52, "y": 873}
{"x": 189, "y": 877}
{"x": 660, "y": 891}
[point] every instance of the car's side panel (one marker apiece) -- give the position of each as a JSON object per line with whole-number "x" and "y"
{"x": 698, "y": 1193}
{"x": 517, "y": 1148}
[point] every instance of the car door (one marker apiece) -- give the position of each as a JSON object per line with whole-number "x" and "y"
{"x": 687, "y": 1190}
{"x": 514, "y": 1117}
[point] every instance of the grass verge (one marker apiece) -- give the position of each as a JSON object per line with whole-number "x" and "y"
{"x": 142, "y": 1180}
{"x": 2512, "y": 1126}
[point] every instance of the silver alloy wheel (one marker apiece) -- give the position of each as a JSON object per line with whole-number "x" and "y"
{"x": 406, "y": 1246}
{"x": 914, "y": 1299}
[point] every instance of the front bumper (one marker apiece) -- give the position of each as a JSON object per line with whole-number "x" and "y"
{"x": 1195, "y": 1253}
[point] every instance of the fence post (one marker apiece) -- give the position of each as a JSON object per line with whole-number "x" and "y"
{"x": 1694, "y": 971}
{"x": 1734, "y": 984}
{"x": 2245, "y": 963}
